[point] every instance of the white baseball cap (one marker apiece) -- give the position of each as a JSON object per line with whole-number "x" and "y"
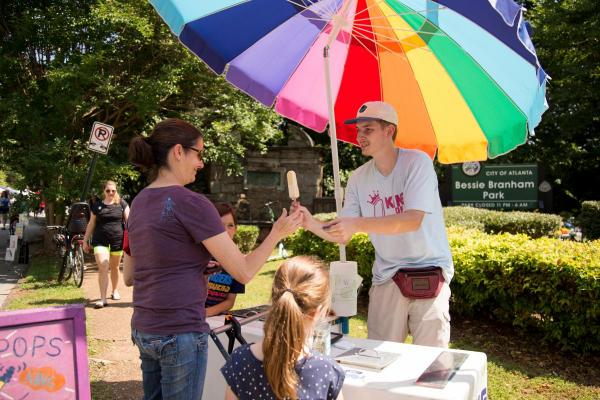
{"x": 375, "y": 110}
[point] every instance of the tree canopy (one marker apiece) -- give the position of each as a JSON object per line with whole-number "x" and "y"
{"x": 566, "y": 35}
{"x": 65, "y": 64}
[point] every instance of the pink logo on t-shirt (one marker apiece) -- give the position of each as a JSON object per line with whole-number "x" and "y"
{"x": 376, "y": 201}
{"x": 395, "y": 203}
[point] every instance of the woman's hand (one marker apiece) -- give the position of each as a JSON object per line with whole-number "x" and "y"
{"x": 86, "y": 246}
{"x": 287, "y": 224}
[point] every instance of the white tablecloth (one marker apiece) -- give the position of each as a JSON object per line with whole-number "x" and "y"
{"x": 397, "y": 381}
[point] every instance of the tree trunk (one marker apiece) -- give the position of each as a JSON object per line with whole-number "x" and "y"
{"x": 52, "y": 218}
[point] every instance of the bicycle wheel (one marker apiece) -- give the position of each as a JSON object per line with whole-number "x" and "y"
{"x": 66, "y": 267}
{"x": 78, "y": 264}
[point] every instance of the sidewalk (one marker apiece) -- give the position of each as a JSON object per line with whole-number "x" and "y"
{"x": 114, "y": 365}
{"x": 11, "y": 272}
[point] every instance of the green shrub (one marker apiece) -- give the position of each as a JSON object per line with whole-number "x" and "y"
{"x": 533, "y": 224}
{"x": 325, "y": 216}
{"x": 245, "y": 237}
{"x": 545, "y": 284}
{"x": 467, "y": 217}
{"x": 589, "y": 219}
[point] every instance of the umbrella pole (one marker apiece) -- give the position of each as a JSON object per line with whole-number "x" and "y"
{"x": 338, "y": 191}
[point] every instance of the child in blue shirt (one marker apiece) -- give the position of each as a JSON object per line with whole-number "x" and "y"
{"x": 222, "y": 288}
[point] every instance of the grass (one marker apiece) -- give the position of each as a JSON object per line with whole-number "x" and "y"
{"x": 40, "y": 288}
{"x": 518, "y": 366}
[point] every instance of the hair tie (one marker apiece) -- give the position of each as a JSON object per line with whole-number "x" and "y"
{"x": 289, "y": 290}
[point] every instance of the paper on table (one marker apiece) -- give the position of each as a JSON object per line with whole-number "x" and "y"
{"x": 367, "y": 358}
{"x": 344, "y": 279}
{"x": 292, "y": 182}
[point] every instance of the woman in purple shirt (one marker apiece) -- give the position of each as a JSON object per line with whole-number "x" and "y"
{"x": 173, "y": 234}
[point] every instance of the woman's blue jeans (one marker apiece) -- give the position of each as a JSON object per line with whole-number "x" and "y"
{"x": 173, "y": 366}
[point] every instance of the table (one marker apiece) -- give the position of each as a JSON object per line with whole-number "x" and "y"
{"x": 395, "y": 382}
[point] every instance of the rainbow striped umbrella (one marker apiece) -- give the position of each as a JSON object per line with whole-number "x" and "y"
{"x": 462, "y": 74}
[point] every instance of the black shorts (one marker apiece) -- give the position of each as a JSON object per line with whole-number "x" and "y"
{"x": 115, "y": 243}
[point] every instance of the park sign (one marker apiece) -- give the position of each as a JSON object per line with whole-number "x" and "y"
{"x": 506, "y": 187}
{"x": 100, "y": 137}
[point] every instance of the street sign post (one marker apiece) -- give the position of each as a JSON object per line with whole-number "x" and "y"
{"x": 99, "y": 143}
{"x": 100, "y": 137}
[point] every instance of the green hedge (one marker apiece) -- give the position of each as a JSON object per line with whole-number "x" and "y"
{"x": 467, "y": 217}
{"x": 589, "y": 219}
{"x": 246, "y": 237}
{"x": 533, "y": 224}
{"x": 547, "y": 284}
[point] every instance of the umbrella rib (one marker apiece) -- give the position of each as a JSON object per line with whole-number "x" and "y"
{"x": 332, "y": 8}
{"x": 402, "y": 29}
{"x": 363, "y": 45}
{"x": 394, "y": 52}
{"x": 377, "y": 3}
{"x": 329, "y": 10}
{"x": 398, "y": 14}
{"x": 395, "y": 40}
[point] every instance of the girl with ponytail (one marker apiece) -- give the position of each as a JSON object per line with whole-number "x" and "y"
{"x": 282, "y": 365}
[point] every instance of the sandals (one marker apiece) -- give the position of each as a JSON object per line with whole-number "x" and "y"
{"x": 100, "y": 304}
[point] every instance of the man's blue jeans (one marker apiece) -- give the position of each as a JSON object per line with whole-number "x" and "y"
{"x": 173, "y": 366}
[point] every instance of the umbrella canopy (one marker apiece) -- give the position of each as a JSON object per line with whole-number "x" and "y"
{"x": 462, "y": 74}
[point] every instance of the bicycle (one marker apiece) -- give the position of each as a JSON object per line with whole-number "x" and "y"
{"x": 71, "y": 252}
{"x": 271, "y": 216}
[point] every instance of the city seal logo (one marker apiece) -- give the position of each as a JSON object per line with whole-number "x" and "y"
{"x": 471, "y": 168}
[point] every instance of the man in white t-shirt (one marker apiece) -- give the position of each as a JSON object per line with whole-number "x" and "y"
{"x": 394, "y": 198}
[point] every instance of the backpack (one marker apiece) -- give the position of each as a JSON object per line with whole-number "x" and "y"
{"x": 79, "y": 216}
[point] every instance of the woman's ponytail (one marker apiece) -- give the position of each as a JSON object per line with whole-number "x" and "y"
{"x": 151, "y": 153}
{"x": 140, "y": 153}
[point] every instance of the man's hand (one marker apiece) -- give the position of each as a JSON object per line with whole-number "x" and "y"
{"x": 86, "y": 247}
{"x": 341, "y": 229}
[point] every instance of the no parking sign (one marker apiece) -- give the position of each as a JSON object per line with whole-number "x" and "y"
{"x": 100, "y": 137}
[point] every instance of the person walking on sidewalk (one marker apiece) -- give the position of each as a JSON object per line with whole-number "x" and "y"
{"x": 173, "y": 234}
{"x": 4, "y": 208}
{"x": 394, "y": 198}
{"x": 105, "y": 228}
